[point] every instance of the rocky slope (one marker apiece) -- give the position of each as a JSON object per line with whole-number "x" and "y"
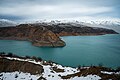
{"x": 70, "y": 29}
{"x": 46, "y": 34}
{"x": 14, "y": 67}
{"x": 38, "y": 35}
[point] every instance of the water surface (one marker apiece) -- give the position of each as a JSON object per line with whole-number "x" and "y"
{"x": 80, "y": 50}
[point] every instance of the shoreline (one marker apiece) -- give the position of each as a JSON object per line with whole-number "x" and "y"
{"x": 56, "y": 71}
{"x": 46, "y": 44}
{"x": 41, "y": 35}
{"x": 35, "y": 57}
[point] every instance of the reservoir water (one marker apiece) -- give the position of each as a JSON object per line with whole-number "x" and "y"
{"x": 79, "y": 50}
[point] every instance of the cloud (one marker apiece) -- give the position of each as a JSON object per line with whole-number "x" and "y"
{"x": 46, "y": 10}
{"x": 57, "y": 9}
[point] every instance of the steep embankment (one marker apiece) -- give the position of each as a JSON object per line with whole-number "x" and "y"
{"x": 38, "y": 35}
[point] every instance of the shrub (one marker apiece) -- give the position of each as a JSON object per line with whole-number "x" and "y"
{"x": 2, "y": 53}
{"x": 33, "y": 57}
{"x": 79, "y": 66}
{"x": 39, "y": 58}
{"x": 10, "y": 55}
{"x": 27, "y": 57}
{"x": 118, "y": 69}
{"x": 100, "y": 65}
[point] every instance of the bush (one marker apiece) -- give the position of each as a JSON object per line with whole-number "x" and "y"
{"x": 2, "y": 53}
{"x": 10, "y": 54}
{"x": 118, "y": 69}
{"x": 36, "y": 59}
{"x": 27, "y": 57}
{"x": 100, "y": 65}
{"x": 79, "y": 66}
{"x": 33, "y": 57}
{"x": 50, "y": 61}
{"x": 39, "y": 58}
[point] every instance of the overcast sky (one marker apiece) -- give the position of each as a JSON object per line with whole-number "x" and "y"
{"x": 25, "y": 10}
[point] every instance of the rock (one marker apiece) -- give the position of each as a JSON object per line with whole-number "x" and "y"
{"x": 48, "y": 35}
{"x": 22, "y": 66}
{"x": 38, "y": 35}
{"x": 65, "y": 29}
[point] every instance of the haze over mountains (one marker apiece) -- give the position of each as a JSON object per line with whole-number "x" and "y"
{"x": 6, "y": 23}
{"x": 109, "y": 24}
{"x": 115, "y": 25}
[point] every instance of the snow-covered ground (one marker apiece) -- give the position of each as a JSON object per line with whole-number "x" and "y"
{"x": 49, "y": 73}
{"x": 88, "y": 77}
{"x": 17, "y": 76}
{"x": 105, "y": 72}
{"x": 27, "y": 76}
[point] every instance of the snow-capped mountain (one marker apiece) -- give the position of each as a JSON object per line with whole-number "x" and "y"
{"x": 109, "y": 24}
{"x": 7, "y": 23}
{"x": 115, "y": 25}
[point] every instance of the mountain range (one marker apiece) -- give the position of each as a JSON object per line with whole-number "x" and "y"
{"x": 115, "y": 25}
{"x": 109, "y": 24}
{"x": 6, "y": 23}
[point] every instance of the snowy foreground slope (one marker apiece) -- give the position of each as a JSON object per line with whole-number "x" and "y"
{"x": 28, "y": 76}
{"x": 52, "y": 72}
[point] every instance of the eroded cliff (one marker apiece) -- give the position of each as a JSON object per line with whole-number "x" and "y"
{"x": 38, "y": 35}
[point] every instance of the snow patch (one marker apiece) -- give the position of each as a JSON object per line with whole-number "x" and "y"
{"x": 105, "y": 72}
{"x": 17, "y": 76}
{"x": 88, "y": 77}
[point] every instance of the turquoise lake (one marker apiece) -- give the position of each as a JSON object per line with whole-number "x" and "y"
{"x": 79, "y": 50}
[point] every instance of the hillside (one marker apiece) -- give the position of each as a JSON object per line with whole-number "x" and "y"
{"x": 38, "y": 35}
{"x": 45, "y": 34}
{"x": 15, "y": 67}
{"x": 74, "y": 29}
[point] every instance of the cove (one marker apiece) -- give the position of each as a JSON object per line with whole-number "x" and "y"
{"x": 79, "y": 50}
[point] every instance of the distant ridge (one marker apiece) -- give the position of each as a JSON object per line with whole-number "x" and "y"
{"x": 7, "y": 23}
{"x": 109, "y": 24}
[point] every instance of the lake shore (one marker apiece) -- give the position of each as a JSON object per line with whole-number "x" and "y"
{"x": 49, "y": 35}
{"x": 12, "y": 63}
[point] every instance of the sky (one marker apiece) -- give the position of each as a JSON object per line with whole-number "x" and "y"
{"x": 28, "y": 10}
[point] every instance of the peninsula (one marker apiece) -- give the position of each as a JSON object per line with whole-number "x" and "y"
{"x": 44, "y": 34}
